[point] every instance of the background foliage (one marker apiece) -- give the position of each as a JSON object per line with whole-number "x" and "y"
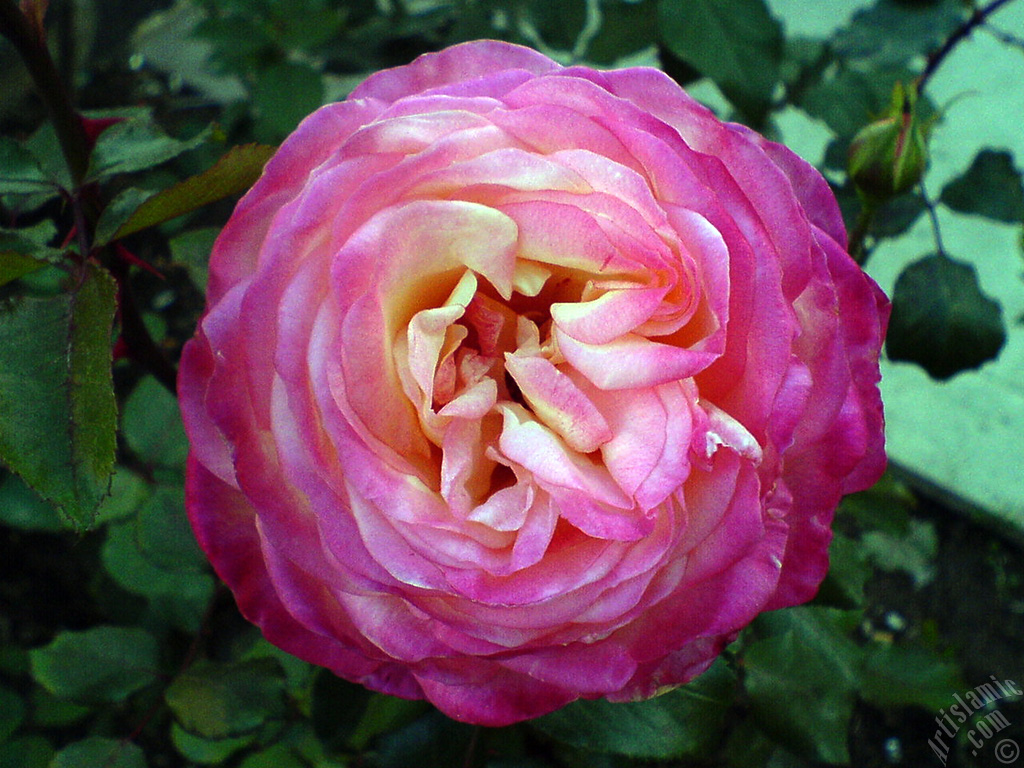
{"x": 117, "y": 645}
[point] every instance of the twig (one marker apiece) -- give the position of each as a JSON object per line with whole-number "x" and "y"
{"x": 933, "y": 216}
{"x": 1004, "y": 37}
{"x": 140, "y": 345}
{"x": 935, "y": 60}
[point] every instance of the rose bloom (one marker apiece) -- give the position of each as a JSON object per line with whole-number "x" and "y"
{"x": 519, "y": 384}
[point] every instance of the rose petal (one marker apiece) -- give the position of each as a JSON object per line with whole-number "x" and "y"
{"x": 631, "y": 361}
{"x": 558, "y": 402}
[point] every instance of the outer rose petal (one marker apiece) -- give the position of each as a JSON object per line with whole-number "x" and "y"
{"x": 484, "y": 67}
{"x": 519, "y": 384}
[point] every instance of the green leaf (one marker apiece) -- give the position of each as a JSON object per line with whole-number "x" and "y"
{"x": 750, "y": 747}
{"x": 313, "y": 25}
{"x": 21, "y": 507}
{"x": 98, "y": 752}
{"x": 626, "y": 29}
{"x": 237, "y": 41}
{"x": 941, "y": 320}
{"x": 99, "y": 665}
{"x": 336, "y": 709}
{"x": 847, "y": 573}
{"x": 847, "y": 99}
{"x": 737, "y": 43}
{"x": 912, "y": 552}
{"x": 30, "y": 751}
{"x": 196, "y": 749}
{"x": 191, "y": 249}
{"x": 124, "y": 205}
{"x": 175, "y": 597}
{"x": 382, "y": 714}
{"x": 127, "y": 492}
{"x": 802, "y": 680}
{"x": 45, "y": 148}
{"x": 135, "y": 145}
{"x": 430, "y": 740}
{"x": 560, "y": 23}
{"x": 277, "y": 756}
{"x": 896, "y": 216}
{"x": 234, "y": 173}
{"x": 892, "y": 32}
{"x": 991, "y": 187}
{"x": 282, "y": 96}
{"x": 164, "y": 535}
{"x": 152, "y": 425}
{"x": 14, "y": 265}
{"x": 304, "y": 744}
{"x": 12, "y": 712}
{"x": 26, "y": 250}
{"x": 222, "y": 700}
{"x": 298, "y": 674}
{"x": 885, "y": 506}
{"x": 50, "y": 712}
{"x": 687, "y": 721}
{"x": 20, "y": 172}
{"x": 57, "y": 411}
{"x": 913, "y": 675}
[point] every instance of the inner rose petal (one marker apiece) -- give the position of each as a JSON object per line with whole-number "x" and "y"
{"x": 558, "y": 402}
{"x": 631, "y": 361}
{"x": 565, "y": 236}
{"x": 430, "y": 240}
{"x": 610, "y": 315}
{"x": 425, "y": 239}
{"x": 536, "y": 448}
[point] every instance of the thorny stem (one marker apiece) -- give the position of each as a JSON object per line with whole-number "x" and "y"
{"x": 191, "y": 654}
{"x": 140, "y": 344}
{"x": 31, "y": 47}
{"x": 30, "y": 44}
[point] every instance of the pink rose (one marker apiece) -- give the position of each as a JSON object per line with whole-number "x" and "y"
{"x": 520, "y": 384}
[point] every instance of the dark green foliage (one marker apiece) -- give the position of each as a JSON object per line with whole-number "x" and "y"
{"x": 942, "y": 320}
{"x": 284, "y": 94}
{"x": 234, "y": 173}
{"x": 738, "y": 44}
{"x": 21, "y": 173}
{"x": 219, "y": 701}
{"x": 135, "y": 144}
{"x": 688, "y": 721}
{"x": 991, "y": 187}
{"x": 802, "y": 680}
{"x": 96, "y": 752}
{"x": 922, "y": 28}
{"x": 102, "y": 664}
{"x": 57, "y": 412}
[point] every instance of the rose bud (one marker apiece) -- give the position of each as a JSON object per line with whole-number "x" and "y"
{"x": 519, "y": 384}
{"x": 888, "y": 157}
